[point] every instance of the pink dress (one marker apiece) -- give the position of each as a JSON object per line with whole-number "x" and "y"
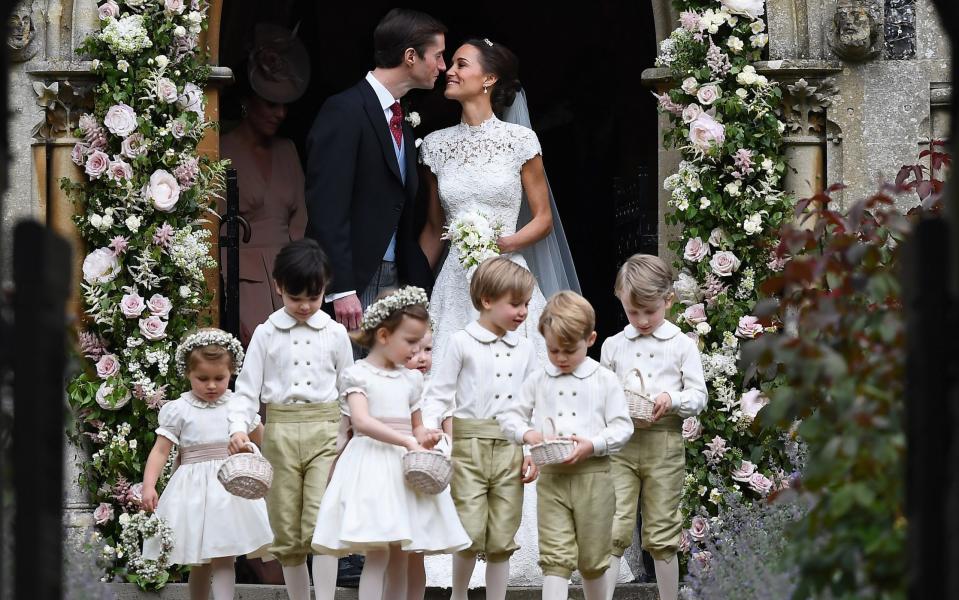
{"x": 276, "y": 212}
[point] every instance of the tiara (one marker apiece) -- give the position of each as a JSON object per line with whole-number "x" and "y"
{"x": 208, "y": 337}
{"x": 488, "y": 43}
{"x": 380, "y": 310}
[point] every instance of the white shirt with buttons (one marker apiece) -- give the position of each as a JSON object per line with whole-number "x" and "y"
{"x": 668, "y": 360}
{"x": 589, "y": 403}
{"x": 480, "y": 375}
{"x": 290, "y": 362}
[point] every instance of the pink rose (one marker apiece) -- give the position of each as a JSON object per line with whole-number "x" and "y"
{"x": 100, "y": 266}
{"x": 724, "y": 263}
{"x": 749, "y": 327}
{"x": 132, "y": 305}
{"x": 108, "y": 366}
{"x": 752, "y": 402}
{"x": 706, "y": 132}
{"x": 684, "y": 541}
{"x": 104, "y": 399}
{"x": 120, "y": 170}
{"x": 166, "y": 90}
{"x": 760, "y": 484}
{"x": 103, "y": 514}
{"x": 159, "y": 305}
{"x": 744, "y": 471}
{"x": 163, "y": 190}
{"x": 79, "y": 154}
{"x": 174, "y": 6}
{"x": 153, "y": 328}
{"x": 695, "y": 250}
{"x": 703, "y": 559}
{"x": 708, "y": 94}
{"x": 695, "y": 314}
{"x": 97, "y": 164}
{"x": 178, "y": 129}
{"x": 120, "y": 120}
{"x": 699, "y": 528}
{"x": 108, "y": 10}
{"x": 691, "y": 113}
{"x": 717, "y": 236}
{"x": 135, "y": 493}
{"x": 133, "y": 146}
{"x": 192, "y": 100}
{"x": 692, "y": 429}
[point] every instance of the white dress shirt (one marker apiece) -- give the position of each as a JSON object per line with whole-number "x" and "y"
{"x": 290, "y": 362}
{"x": 668, "y": 360}
{"x": 589, "y": 403}
{"x": 480, "y": 375}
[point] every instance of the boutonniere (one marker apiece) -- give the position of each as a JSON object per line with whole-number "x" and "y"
{"x": 414, "y": 119}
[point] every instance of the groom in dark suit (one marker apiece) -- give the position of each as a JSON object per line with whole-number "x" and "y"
{"x": 361, "y": 170}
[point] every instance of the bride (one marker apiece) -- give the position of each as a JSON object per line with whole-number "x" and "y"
{"x": 494, "y": 168}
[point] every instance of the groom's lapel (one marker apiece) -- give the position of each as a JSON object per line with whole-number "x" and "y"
{"x": 375, "y": 112}
{"x": 410, "y": 151}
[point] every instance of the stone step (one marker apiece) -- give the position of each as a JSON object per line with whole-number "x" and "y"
{"x": 179, "y": 591}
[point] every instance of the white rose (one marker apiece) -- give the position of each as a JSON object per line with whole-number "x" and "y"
{"x": 180, "y": 31}
{"x": 124, "y": 519}
{"x": 742, "y": 93}
{"x": 753, "y": 224}
{"x": 692, "y": 429}
{"x": 746, "y": 77}
{"x": 166, "y": 90}
{"x": 757, "y": 26}
{"x": 761, "y": 80}
{"x": 716, "y": 237}
{"x": 192, "y": 100}
{"x": 120, "y": 120}
{"x": 96, "y": 221}
{"x": 133, "y": 223}
{"x": 733, "y": 189}
{"x": 724, "y": 263}
{"x": 132, "y": 305}
{"x": 752, "y": 402}
{"x": 100, "y": 266}
{"x": 747, "y": 8}
{"x": 195, "y": 17}
{"x": 691, "y": 113}
{"x": 759, "y": 40}
{"x": 705, "y": 132}
{"x": 687, "y": 289}
{"x": 695, "y": 250}
{"x": 704, "y": 203}
{"x": 713, "y": 29}
{"x": 153, "y": 328}
{"x": 767, "y": 164}
{"x": 689, "y": 85}
{"x": 163, "y": 190}
{"x": 133, "y": 444}
{"x": 703, "y": 328}
{"x": 185, "y": 291}
{"x": 123, "y": 65}
{"x": 735, "y": 44}
{"x": 162, "y": 61}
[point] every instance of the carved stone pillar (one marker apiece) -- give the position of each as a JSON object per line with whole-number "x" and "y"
{"x": 804, "y": 112}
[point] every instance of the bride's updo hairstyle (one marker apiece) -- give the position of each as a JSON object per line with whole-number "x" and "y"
{"x": 500, "y": 61}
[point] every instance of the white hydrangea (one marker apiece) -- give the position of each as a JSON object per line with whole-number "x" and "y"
{"x": 190, "y": 251}
{"x": 126, "y": 35}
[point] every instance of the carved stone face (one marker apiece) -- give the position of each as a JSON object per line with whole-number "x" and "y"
{"x": 854, "y": 30}
{"x": 20, "y": 29}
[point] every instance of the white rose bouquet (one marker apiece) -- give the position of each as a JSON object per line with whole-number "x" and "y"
{"x": 474, "y": 239}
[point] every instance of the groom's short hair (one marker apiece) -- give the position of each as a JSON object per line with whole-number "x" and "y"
{"x": 400, "y": 29}
{"x": 498, "y": 277}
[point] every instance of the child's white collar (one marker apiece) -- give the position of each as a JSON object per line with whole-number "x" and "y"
{"x": 485, "y": 336}
{"x": 282, "y": 320}
{"x": 665, "y": 331}
{"x": 584, "y": 370}
{"x": 192, "y": 400}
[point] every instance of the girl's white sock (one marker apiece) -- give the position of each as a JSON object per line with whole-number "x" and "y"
{"x": 611, "y": 576}
{"x": 555, "y": 588}
{"x": 199, "y": 583}
{"x": 415, "y": 577}
{"x": 595, "y": 589}
{"x": 324, "y": 576}
{"x": 396, "y": 573}
{"x": 297, "y": 581}
{"x": 224, "y": 579}
{"x": 667, "y": 578}
{"x": 497, "y": 575}
{"x": 462, "y": 571}
{"x": 373, "y": 578}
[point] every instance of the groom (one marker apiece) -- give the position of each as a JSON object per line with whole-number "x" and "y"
{"x": 361, "y": 169}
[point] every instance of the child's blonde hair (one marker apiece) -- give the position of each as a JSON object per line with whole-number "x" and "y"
{"x": 569, "y": 317}
{"x": 209, "y": 344}
{"x": 366, "y": 337}
{"x": 497, "y": 277}
{"x": 643, "y": 279}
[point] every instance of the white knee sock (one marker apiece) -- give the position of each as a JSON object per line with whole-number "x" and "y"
{"x": 462, "y": 571}
{"x": 667, "y": 578}
{"x": 373, "y": 579}
{"x": 297, "y": 581}
{"x": 415, "y": 577}
{"x": 224, "y": 580}
{"x": 200, "y": 582}
{"x": 611, "y": 576}
{"x": 396, "y": 574}
{"x": 324, "y": 576}
{"x": 497, "y": 576}
{"x": 555, "y": 588}
{"x": 595, "y": 589}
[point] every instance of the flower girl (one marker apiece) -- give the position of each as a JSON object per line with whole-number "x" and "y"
{"x": 368, "y": 508}
{"x": 210, "y": 525}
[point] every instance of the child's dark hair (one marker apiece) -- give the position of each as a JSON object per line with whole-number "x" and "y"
{"x": 302, "y": 267}
{"x": 365, "y": 338}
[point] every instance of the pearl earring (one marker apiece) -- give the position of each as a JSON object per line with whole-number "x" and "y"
{"x": 485, "y": 90}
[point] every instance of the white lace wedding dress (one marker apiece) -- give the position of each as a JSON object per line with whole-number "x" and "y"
{"x": 478, "y": 169}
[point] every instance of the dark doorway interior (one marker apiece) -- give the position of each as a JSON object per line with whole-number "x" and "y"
{"x": 580, "y": 66}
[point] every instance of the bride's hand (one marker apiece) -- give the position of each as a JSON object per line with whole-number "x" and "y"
{"x": 506, "y": 244}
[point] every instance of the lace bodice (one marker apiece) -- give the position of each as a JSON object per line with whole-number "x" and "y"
{"x": 478, "y": 168}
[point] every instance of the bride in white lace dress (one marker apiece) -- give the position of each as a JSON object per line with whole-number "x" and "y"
{"x": 484, "y": 165}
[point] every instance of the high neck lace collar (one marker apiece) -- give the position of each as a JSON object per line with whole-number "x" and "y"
{"x": 485, "y": 125}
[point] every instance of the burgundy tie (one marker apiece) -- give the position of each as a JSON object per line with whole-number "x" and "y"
{"x": 396, "y": 123}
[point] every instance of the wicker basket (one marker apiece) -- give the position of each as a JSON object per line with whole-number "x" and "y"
{"x": 550, "y": 451}
{"x": 639, "y": 403}
{"x": 246, "y": 475}
{"x": 428, "y": 471}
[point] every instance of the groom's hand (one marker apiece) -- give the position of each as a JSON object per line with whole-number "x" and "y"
{"x": 349, "y": 311}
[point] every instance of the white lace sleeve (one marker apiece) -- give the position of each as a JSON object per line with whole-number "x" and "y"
{"x": 526, "y": 145}
{"x": 427, "y": 156}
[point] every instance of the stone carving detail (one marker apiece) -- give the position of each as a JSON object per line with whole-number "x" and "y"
{"x": 62, "y": 103}
{"x": 856, "y": 33}
{"x": 22, "y": 38}
{"x": 804, "y": 106}
{"x": 900, "y": 29}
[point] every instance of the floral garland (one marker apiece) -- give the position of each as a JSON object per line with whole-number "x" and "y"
{"x": 140, "y": 210}
{"x": 134, "y": 531}
{"x": 728, "y": 199}
{"x": 381, "y": 310}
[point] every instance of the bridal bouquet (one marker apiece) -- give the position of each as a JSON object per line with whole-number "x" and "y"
{"x": 474, "y": 238}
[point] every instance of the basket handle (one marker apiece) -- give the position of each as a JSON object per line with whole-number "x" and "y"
{"x": 449, "y": 444}
{"x": 552, "y": 427}
{"x": 253, "y": 448}
{"x": 642, "y": 381}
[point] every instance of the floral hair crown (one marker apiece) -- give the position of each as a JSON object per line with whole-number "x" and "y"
{"x": 380, "y": 310}
{"x": 208, "y": 337}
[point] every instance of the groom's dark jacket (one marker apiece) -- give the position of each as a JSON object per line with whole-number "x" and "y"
{"x": 355, "y": 197}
